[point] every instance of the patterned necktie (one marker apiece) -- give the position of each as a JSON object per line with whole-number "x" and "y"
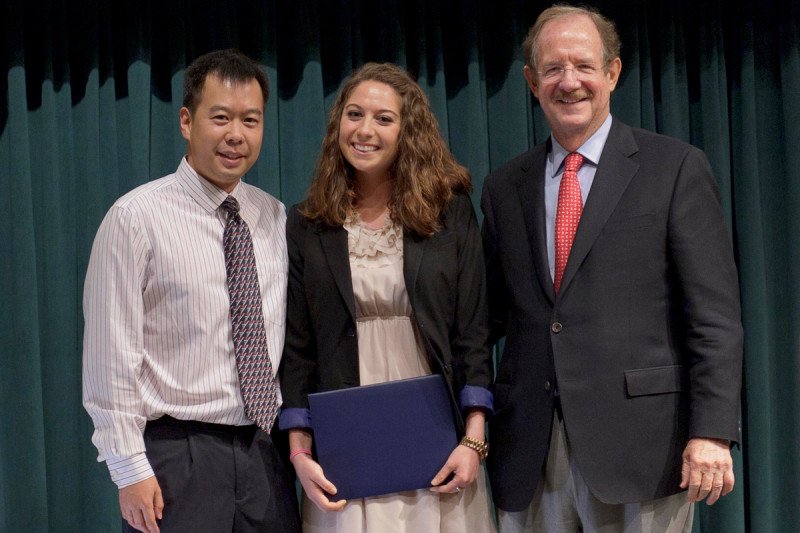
{"x": 568, "y": 214}
{"x": 259, "y": 390}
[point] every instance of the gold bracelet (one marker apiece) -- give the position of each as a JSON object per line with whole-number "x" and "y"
{"x": 482, "y": 447}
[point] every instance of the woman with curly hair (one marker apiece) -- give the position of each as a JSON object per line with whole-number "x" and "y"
{"x": 386, "y": 282}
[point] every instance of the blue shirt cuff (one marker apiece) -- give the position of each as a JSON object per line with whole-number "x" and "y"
{"x": 294, "y": 418}
{"x": 472, "y": 396}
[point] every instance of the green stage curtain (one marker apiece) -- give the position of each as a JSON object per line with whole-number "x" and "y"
{"x": 89, "y": 100}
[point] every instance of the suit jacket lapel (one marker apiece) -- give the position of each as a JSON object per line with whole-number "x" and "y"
{"x": 614, "y": 172}
{"x": 334, "y": 245}
{"x": 413, "y": 250}
{"x": 530, "y": 188}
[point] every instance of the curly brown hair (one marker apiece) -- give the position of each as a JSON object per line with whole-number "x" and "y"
{"x": 425, "y": 174}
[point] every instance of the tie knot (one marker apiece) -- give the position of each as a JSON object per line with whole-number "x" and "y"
{"x": 573, "y": 162}
{"x": 231, "y": 205}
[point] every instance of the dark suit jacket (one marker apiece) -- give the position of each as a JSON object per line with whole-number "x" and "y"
{"x": 644, "y": 341}
{"x": 445, "y": 280}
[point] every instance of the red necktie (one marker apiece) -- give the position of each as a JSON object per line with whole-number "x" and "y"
{"x": 259, "y": 390}
{"x": 568, "y": 214}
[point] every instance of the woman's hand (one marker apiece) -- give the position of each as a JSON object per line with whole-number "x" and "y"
{"x": 463, "y": 461}
{"x": 463, "y": 464}
{"x": 310, "y": 474}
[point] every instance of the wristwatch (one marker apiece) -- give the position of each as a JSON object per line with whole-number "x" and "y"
{"x": 482, "y": 447}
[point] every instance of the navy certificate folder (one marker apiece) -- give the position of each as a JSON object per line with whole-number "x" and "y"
{"x": 383, "y": 438}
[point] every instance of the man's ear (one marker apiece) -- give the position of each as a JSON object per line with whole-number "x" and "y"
{"x": 186, "y": 122}
{"x": 612, "y": 73}
{"x": 530, "y": 77}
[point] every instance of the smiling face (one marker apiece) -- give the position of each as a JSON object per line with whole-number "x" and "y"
{"x": 575, "y": 103}
{"x": 369, "y": 129}
{"x": 225, "y": 131}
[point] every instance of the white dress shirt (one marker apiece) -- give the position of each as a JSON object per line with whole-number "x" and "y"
{"x": 157, "y": 338}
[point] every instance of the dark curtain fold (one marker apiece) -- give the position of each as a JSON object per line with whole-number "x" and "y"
{"x": 89, "y": 101}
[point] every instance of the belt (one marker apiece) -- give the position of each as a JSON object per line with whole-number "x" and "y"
{"x": 197, "y": 426}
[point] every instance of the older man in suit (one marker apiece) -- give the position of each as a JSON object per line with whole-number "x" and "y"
{"x": 612, "y": 278}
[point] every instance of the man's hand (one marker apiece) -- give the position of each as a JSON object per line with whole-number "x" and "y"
{"x": 141, "y": 504}
{"x": 707, "y": 469}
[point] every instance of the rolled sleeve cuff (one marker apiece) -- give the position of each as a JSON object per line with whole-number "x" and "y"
{"x": 472, "y": 396}
{"x": 294, "y": 418}
{"x": 129, "y": 470}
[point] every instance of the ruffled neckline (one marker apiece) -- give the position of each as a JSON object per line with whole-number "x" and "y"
{"x": 366, "y": 242}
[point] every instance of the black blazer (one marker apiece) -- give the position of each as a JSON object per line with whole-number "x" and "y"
{"x": 644, "y": 342}
{"x": 445, "y": 280}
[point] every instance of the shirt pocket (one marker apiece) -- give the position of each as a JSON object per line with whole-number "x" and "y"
{"x": 272, "y": 280}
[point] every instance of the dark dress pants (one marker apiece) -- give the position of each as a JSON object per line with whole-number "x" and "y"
{"x": 217, "y": 478}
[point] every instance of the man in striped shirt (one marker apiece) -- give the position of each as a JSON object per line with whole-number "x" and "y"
{"x": 159, "y": 371}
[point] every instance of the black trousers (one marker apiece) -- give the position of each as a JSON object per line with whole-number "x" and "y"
{"x": 217, "y": 478}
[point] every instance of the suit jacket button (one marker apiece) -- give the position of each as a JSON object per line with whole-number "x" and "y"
{"x": 547, "y": 386}
{"x": 556, "y": 327}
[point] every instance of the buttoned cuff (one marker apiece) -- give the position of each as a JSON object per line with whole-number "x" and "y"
{"x": 129, "y": 470}
{"x": 472, "y": 396}
{"x": 294, "y": 418}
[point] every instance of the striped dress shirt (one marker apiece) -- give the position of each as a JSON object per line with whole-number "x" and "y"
{"x": 157, "y": 338}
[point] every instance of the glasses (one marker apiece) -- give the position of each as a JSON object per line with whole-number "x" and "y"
{"x": 584, "y": 71}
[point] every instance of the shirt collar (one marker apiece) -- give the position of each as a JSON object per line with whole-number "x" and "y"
{"x": 591, "y": 150}
{"x": 205, "y": 193}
